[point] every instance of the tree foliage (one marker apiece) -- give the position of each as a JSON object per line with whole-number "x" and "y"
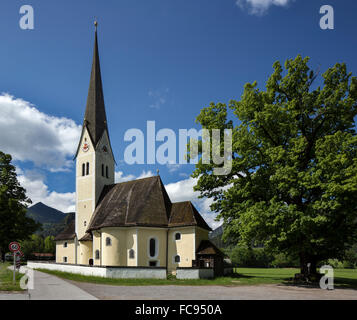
{"x": 14, "y": 224}
{"x": 293, "y": 186}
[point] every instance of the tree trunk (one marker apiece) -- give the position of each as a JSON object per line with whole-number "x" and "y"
{"x": 308, "y": 268}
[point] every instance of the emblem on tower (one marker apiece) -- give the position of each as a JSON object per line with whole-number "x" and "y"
{"x": 85, "y": 147}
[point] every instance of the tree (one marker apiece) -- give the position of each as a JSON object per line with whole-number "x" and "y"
{"x": 14, "y": 224}
{"x": 50, "y": 245}
{"x": 293, "y": 185}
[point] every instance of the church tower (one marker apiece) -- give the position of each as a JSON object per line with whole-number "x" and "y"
{"x": 94, "y": 159}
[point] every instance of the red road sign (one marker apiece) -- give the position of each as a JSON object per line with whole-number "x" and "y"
{"x": 14, "y": 246}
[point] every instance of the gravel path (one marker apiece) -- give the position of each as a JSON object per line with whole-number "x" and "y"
{"x": 261, "y": 292}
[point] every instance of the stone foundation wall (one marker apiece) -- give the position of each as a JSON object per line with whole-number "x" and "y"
{"x": 106, "y": 272}
{"x": 194, "y": 273}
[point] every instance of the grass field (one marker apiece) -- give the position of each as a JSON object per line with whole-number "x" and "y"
{"x": 344, "y": 278}
{"x": 6, "y": 279}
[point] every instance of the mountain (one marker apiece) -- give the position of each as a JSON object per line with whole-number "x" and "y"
{"x": 53, "y": 221}
{"x": 45, "y": 214}
{"x": 216, "y": 237}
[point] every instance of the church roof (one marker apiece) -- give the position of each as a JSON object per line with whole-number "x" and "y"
{"x": 132, "y": 203}
{"x": 86, "y": 237}
{"x": 68, "y": 233}
{"x": 184, "y": 213}
{"x": 142, "y": 202}
{"x": 95, "y": 117}
{"x": 206, "y": 247}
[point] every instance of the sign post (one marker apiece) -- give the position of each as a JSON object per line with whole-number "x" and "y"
{"x": 14, "y": 248}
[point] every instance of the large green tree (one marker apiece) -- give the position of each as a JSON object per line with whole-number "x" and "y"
{"x": 293, "y": 185}
{"x": 14, "y": 224}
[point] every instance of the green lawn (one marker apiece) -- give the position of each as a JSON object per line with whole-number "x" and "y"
{"x": 243, "y": 276}
{"x": 6, "y": 278}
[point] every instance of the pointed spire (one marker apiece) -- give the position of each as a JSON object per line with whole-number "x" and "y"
{"x": 95, "y": 117}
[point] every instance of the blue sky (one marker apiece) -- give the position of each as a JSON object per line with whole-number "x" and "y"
{"x": 161, "y": 60}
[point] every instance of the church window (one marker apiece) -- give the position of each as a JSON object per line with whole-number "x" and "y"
{"x": 177, "y": 259}
{"x": 64, "y": 259}
{"x": 87, "y": 172}
{"x": 152, "y": 247}
{"x": 85, "y": 223}
{"x": 65, "y": 245}
{"x": 131, "y": 254}
{"x": 102, "y": 170}
{"x": 153, "y": 263}
{"x": 83, "y": 169}
{"x": 106, "y": 172}
{"x": 108, "y": 241}
{"x": 97, "y": 254}
{"x": 178, "y": 236}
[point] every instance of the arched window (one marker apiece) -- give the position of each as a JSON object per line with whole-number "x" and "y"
{"x": 102, "y": 170}
{"x": 83, "y": 169}
{"x": 131, "y": 254}
{"x": 108, "y": 241}
{"x": 177, "y": 259}
{"x": 97, "y": 254}
{"x": 85, "y": 223}
{"x": 152, "y": 247}
{"x": 106, "y": 172}
{"x": 87, "y": 172}
{"x": 178, "y": 236}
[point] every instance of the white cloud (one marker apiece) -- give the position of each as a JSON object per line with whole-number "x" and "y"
{"x": 146, "y": 174}
{"x": 173, "y": 167}
{"x": 259, "y": 7}
{"x": 37, "y": 191}
{"x": 31, "y": 135}
{"x": 120, "y": 177}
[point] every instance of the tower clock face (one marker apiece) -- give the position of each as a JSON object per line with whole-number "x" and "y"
{"x": 85, "y": 147}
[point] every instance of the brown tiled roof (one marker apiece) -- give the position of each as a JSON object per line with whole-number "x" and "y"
{"x": 206, "y": 247}
{"x": 142, "y": 202}
{"x": 95, "y": 116}
{"x": 86, "y": 237}
{"x": 185, "y": 214}
{"x": 68, "y": 233}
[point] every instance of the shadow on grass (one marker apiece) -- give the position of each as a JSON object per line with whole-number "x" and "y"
{"x": 339, "y": 283}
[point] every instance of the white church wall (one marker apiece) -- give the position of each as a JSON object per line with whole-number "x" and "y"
{"x": 107, "y": 272}
{"x": 136, "y": 273}
{"x": 194, "y": 273}
{"x": 83, "y": 270}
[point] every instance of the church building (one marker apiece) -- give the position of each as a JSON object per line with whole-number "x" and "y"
{"x": 128, "y": 224}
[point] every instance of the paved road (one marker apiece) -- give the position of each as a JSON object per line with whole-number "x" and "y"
{"x": 48, "y": 287}
{"x": 261, "y": 292}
